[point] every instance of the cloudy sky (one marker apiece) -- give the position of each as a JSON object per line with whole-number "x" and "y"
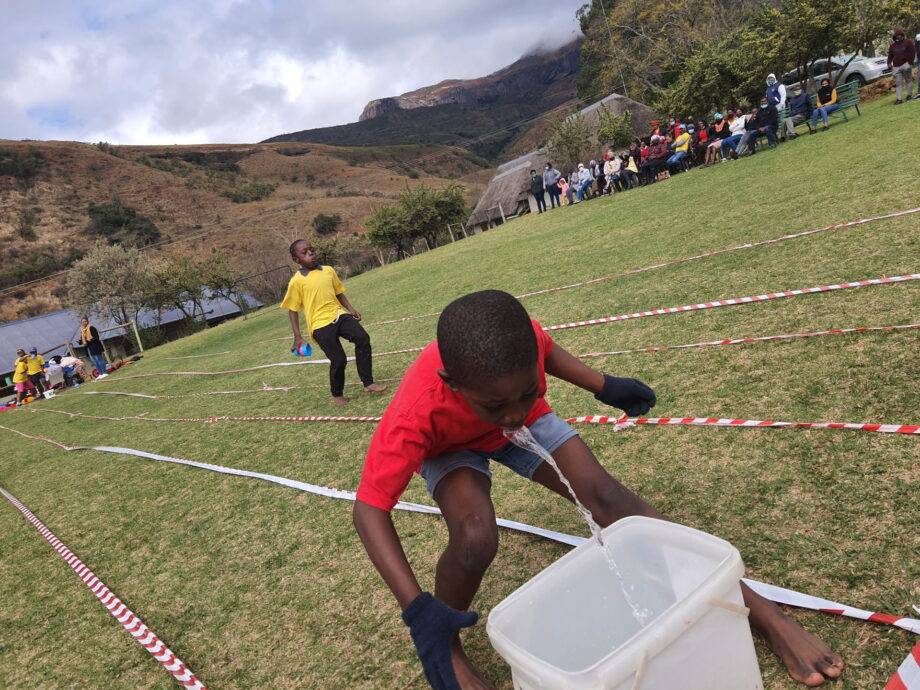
{"x": 196, "y": 71}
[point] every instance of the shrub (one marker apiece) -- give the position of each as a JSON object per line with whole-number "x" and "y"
{"x": 120, "y": 224}
{"x": 25, "y": 167}
{"x": 326, "y": 225}
{"x": 249, "y": 192}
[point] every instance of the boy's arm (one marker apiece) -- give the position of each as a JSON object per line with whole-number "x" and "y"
{"x": 295, "y": 326}
{"x": 630, "y": 395}
{"x": 343, "y": 300}
{"x": 377, "y": 533}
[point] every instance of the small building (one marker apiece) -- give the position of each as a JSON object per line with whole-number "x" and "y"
{"x": 508, "y": 194}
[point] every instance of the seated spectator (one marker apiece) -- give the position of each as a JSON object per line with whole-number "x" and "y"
{"x": 827, "y": 103}
{"x": 629, "y": 171}
{"x": 612, "y": 166}
{"x": 656, "y": 129}
{"x": 700, "y": 141}
{"x": 680, "y": 148}
{"x": 584, "y": 182}
{"x": 736, "y": 128}
{"x": 655, "y": 159}
{"x": 717, "y": 132}
{"x": 74, "y": 370}
{"x": 763, "y": 123}
{"x": 799, "y": 107}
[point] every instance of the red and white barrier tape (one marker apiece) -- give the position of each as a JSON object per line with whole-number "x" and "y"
{"x": 907, "y": 677}
{"x": 144, "y": 636}
{"x": 681, "y": 261}
{"x": 618, "y": 422}
{"x": 589, "y": 322}
{"x": 772, "y": 592}
{"x": 264, "y": 389}
{"x": 765, "y": 338}
{"x": 736, "y": 301}
{"x": 913, "y": 429}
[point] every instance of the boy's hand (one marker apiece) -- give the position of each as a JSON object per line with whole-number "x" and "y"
{"x": 432, "y": 624}
{"x": 630, "y": 395}
{"x": 298, "y": 342}
{"x": 354, "y": 312}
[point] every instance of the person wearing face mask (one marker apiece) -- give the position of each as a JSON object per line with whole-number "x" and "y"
{"x": 776, "y": 92}
{"x": 826, "y": 104}
{"x": 799, "y": 107}
{"x": 536, "y": 188}
{"x": 551, "y": 184}
{"x": 718, "y": 131}
{"x": 763, "y": 123}
{"x": 901, "y": 56}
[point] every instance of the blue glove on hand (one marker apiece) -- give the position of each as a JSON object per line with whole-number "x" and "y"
{"x": 432, "y": 624}
{"x": 630, "y": 395}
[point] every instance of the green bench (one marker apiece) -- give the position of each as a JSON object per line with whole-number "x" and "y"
{"x": 847, "y": 97}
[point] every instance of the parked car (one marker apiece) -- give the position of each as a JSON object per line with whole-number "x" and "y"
{"x": 862, "y": 70}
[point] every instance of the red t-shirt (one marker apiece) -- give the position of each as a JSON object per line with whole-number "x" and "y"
{"x": 427, "y": 419}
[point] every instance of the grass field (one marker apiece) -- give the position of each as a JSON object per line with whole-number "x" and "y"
{"x": 255, "y": 585}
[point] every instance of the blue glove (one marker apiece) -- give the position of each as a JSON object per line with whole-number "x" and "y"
{"x": 630, "y": 395}
{"x": 432, "y": 624}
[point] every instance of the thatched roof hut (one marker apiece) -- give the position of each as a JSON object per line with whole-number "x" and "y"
{"x": 508, "y": 194}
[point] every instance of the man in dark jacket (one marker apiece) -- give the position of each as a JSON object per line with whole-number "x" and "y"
{"x": 763, "y": 123}
{"x": 799, "y": 110}
{"x": 901, "y": 55}
{"x": 536, "y": 188}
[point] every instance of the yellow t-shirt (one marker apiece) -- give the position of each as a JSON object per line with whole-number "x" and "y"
{"x": 21, "y": 373}
{"x": 682, "y": 143}
{"x": 35, "y": 365}
{"x": 315, "y": 295}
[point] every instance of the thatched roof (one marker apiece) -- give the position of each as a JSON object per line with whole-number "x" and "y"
{"x": 511, "y": 184}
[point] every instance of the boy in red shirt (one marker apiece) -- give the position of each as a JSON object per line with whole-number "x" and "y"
{"x": 487, "y": 372}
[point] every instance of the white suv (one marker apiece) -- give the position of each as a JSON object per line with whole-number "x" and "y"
{"x": 861, "y": 70}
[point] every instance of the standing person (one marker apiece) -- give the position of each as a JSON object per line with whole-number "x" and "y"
{"x": 89, "y": 338}
{"x": 485, "y": 373}
{"x": 776, "y": 92}
{"x": 901, "y": 56}
{"x": 551, "y": 184}
{"x": 600, "y": 180}
{"x": 799, "y": 107}
{"x": 567, "y": 190}
{"x": 35, "y": 368}
{"x": 21, "y": 376}
{"x": 826, "y": 103}
{"x": 317, "y": 290}
{"x": 536, "y": 188}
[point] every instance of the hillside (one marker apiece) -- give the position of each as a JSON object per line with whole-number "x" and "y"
{"x": 43, "y": 224}
{"x": 258, "y": 585}
{"x": 485, "y": 115}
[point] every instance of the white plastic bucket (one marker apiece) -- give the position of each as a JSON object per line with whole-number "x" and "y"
{"x": 571, "y": 626}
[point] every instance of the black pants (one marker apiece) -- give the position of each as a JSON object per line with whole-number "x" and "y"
{"x": 39, "y": 382}
{"x": 541, "y": 201}
{"x": 328, "y": 338}
{"x": 553, "y": 191}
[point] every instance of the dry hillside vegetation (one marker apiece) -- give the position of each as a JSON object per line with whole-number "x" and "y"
{"x": 183, "y": 191}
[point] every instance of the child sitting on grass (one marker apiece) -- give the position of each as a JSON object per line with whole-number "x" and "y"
{"x": 317, "y": 290}
{"x": 487, "y": 372}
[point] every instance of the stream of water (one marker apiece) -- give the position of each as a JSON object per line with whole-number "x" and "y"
{"x": 522, "y": 438}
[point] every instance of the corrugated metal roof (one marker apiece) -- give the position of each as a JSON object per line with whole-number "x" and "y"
{"x": 50, "y": 330}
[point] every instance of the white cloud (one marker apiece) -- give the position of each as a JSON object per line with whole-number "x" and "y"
{"x": 136, "y": 71}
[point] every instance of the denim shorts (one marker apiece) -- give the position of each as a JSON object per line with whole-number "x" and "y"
{"x": 549, "y": 430}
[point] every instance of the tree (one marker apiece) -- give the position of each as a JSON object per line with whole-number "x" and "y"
{"x": 613, "y": 130}
{"x": 177, "y": 283}
{"x": 224, "y": 281}
{"x": 326, "y": 225}
{"x": 386, "y": 228}
{"x": 571, "y": 141}
{"x": 109, "y": 282}
{"x": 421, "y": 212}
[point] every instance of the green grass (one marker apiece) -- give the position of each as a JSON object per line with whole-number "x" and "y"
{"x": 256, "y": 585}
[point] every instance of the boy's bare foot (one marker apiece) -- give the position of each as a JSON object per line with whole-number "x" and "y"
{"x": 375, "y": 388}
{"x": 805, "y": 656}
{"x": 468, "y": 676}
{"x": 339, "y": 400}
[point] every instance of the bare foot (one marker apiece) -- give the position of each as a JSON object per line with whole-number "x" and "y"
{"x": 339, "y": 401}
{"x": 468, "y": 676}
{"x": 805, "y": 656}
{"x": 375, "y": 388}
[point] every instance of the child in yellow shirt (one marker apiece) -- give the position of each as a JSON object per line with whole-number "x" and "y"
{"x": 317, "y": 291}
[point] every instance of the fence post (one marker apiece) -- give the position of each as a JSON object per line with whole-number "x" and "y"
{"x": 450, "y": 232}
{"x": 502, "y": 211}
{"x": 137, "y": 336}
{"x": 463, "y": 229}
